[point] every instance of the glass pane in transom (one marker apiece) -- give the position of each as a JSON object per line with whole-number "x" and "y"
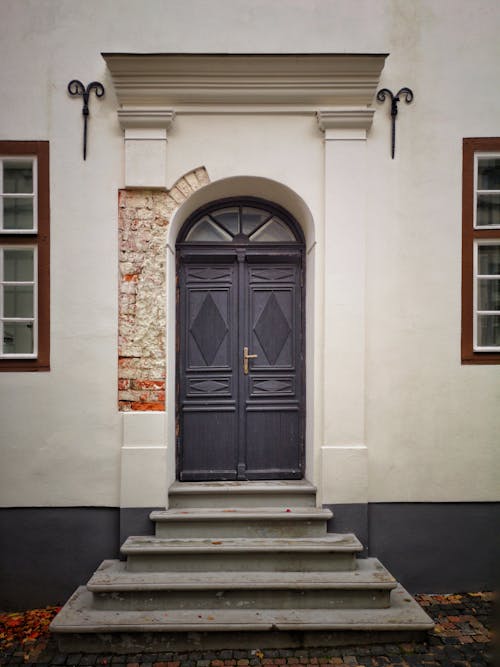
{"x": 17, "y": 213}
{"x": 18, "y": 265}
{"x": 18, "y": 338}
{"x": 229, "y": 218}
{"x": 488, "y": 173}
{"x": 251, "y": 218}
{"x": 488, "y": 331}
{"x": 488, "y": 210}
{"x": 489, "y": 260}
{"x": 274, "y": 231}
{"x": 488, "y": 297}
{"x": 18, "y": 301}
{"x": 207, "y": 231}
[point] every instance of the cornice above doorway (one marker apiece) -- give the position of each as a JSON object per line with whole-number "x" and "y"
{"x": 192, "y": 80}
{"x": 151, "y": 89}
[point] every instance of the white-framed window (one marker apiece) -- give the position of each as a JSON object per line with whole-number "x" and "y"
{"x": 487, "y": 295}
{"x": 18, "y": 195}
{"x": 486, "y": 190}
{"x": 480, "y": 340}
{"x": 24, "y": 256}
{"x": 18, "y": 302}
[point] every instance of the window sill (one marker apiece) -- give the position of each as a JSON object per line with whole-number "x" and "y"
{"x": 28, "y": 365}
{"x": 481, "y": 358}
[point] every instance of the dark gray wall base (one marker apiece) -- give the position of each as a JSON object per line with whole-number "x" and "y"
{"x": 46, "y": 552}
{"x": 136, "y": 521}
{"x": 430, "y": 547}
{"x": 350, "y": 518}
{"x": 438, "y": 547}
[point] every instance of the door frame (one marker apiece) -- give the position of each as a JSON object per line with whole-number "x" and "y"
{"x": 257, "y": 252}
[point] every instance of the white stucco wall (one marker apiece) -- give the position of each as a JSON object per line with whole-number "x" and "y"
{"x": 430, "y": 425}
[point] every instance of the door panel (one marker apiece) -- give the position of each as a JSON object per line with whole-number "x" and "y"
{"x": 209, "y": 438}
{"x": 272, "y": 442}
{"x": 271, "y": 386}
{"x": 272, "y": 337}
{"x": 234, "y": 425}
{"x": 207, "y": 356}
{"x": 209, "y": 345}
{"x": 273, "y": 397}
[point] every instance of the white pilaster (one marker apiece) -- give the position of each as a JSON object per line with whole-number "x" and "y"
{"x": 344, "y": 454}
{"x": 143, "y": 460}
{"x": 145, "y": 146}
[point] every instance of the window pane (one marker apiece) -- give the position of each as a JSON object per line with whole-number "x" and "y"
{"x": 18, "y": 301}
{"x": 488, "y": 297}
{"x": 252, "y": 218}
{"x": 18, "y": 338}
{"x": 17, "y": 213}
{"x": 488, "y": 331}
{"x": 488, "y": 173}
{"x": 206, "y": 230}
{"x": 488, "y": 210}
{"x": 489, "y": 260}
{"x": 18, "y": 264}
{"x": 272, "y": 232}
{"x": 18, "y": 176}
{"x": 229, "y": 218}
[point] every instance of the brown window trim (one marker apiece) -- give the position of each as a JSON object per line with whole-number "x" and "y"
{"x": 469, "y": 235}
{"x": 42, "y": 239}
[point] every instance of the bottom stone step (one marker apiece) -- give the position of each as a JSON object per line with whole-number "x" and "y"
{"x": 80, "y": 628}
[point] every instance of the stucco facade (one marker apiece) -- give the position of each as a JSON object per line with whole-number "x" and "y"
{"x": 401, "y": 437}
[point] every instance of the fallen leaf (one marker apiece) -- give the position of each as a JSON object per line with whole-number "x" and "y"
{"x": 29, "y": 630}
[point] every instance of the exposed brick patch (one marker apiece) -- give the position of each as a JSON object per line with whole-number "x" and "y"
{"x": 143, "y": 218}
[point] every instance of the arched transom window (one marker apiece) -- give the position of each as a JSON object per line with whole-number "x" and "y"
{"x": 240, "y": 223}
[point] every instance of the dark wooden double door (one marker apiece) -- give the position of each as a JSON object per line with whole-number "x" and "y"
{"x": 237, "y": 418}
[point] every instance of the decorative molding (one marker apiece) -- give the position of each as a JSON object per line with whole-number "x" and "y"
{"x": 145, "y": 134}
{"x": 188, "y": 81}
{"x": 134, "y": 118}
{"x": 345, "y": 119}
{"x": 152, "y": 88}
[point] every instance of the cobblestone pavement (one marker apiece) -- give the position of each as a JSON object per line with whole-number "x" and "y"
{"x": 462, "y": 638}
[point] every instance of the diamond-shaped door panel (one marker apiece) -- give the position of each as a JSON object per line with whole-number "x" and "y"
{"x": 209, "y": 329}
{"x": 220, "y": 386}
{"x": 272, "y": 329}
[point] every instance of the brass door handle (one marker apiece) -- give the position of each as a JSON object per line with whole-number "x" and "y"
{"x": 246, "y": 357}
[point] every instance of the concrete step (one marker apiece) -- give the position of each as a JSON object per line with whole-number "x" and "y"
{"x": 79, "y": 627}
{"x": 274, "y": 493}
{"x": 332, "y": 552}
{"x": 368, "y": 587}
{"x": 241, "y": 522}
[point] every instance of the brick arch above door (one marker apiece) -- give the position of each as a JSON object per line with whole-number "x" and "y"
{"x": 143, "y": 219}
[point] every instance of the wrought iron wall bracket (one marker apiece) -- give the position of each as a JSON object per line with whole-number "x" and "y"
{"x": 76, "y": 87}
{"x": 408, "y": 97}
